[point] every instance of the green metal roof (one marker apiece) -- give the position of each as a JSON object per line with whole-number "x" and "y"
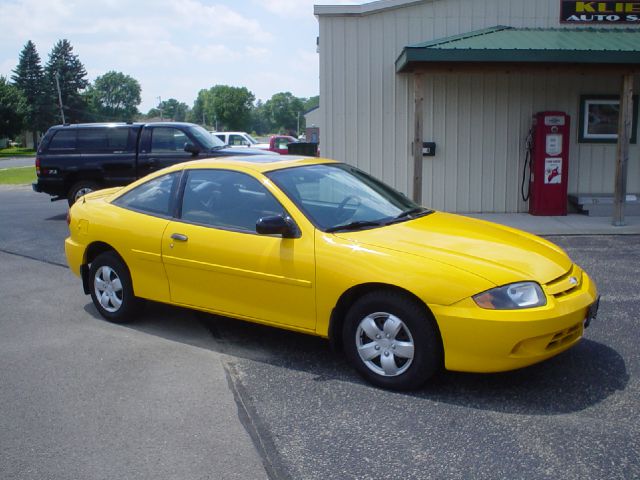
{"x": 529, "y": 45}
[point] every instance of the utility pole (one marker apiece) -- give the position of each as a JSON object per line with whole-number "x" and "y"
{"x": 298, "y": 128}
{"x": 60, "y": 97}
{"x": 160, "y": 108}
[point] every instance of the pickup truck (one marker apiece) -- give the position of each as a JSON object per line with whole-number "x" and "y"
{"x": 240, "y": 140}
{"x": 277, "y": 143}
{"x": 73, "y": 160}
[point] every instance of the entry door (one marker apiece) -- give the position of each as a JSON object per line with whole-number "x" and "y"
{"x": 215, "y": 260}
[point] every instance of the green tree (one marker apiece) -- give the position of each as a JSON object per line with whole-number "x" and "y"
{"x": 115, "y": 96}
{"x": 311, "y": 102}
{"x": 197, "y": 113}
{"x": 225, "y": 107}
{"x": 28, "y": 77}
{"x": 171, "y": 109}
{"x": 284, "y": 111}
{"x": 12, "y": 109}
{"x": 260, "y": 122}
{"x": 72, "y": 78}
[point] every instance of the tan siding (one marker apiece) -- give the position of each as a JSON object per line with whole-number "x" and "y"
{"x": 479, "y": 121}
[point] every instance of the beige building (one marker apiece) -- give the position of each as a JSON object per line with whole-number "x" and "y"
{"x": 397, "y": 72}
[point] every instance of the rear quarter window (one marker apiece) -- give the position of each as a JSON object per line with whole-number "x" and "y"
{"x": 107, "y": 140}
{"x": 63, "y": 140}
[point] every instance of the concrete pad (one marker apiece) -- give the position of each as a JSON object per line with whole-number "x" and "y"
{"x": 84, "y": 398}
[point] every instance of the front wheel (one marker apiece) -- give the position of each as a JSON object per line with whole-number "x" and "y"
{"x": 392, "y": 341}
{"x": 111, "y": 288}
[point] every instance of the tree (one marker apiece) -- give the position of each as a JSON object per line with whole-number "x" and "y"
{"x": 311, "y": 102}
{"x": 12, "y": 109}
{"x": 72, "y": 79}
{"x": 284, "y": 111}
{"x": 170, "y": 109}
{"x": 115, "y": 96}
{"x": 260, "y": 122}
{"x": 28, "y": 77}
{"x": 226, "y": 107}
{"x": 197, "y": 113}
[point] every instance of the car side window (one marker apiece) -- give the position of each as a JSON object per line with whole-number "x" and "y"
{"x": 228, "y": 200}
{"x": 237, "y": 140}
{"x": 152, "y": 197}
{"x": 168, "y": 140}
{"x": 63, "y": 140}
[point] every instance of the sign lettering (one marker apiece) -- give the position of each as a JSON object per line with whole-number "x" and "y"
{"x": 625, "y": 11}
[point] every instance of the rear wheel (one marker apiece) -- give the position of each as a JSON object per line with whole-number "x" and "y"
{"x": 392, "y": 341}
{"x": 79, "y": 189}
{"x": 111, "y": 288}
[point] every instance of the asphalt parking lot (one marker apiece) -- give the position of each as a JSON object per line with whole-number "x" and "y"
{"x": 185, "y": 395}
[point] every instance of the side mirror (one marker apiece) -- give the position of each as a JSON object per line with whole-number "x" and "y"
{"x": 277, "y": 225}
{"x": 191, "y": 148}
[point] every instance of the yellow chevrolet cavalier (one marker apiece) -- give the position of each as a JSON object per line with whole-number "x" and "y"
{"x": 320, "y": 247}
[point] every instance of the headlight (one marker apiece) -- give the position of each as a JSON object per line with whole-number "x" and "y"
{"x": 512, "y": 297}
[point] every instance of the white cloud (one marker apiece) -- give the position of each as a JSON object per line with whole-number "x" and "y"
{"x": 175, "y": 48}
{"x": 298, "y": 8}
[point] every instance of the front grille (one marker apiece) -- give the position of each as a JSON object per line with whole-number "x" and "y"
{"x": 565, "y": 336}
{"x": 565, "y": 284}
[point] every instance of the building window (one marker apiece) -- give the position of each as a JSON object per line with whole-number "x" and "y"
{"x": 599, "y": 119}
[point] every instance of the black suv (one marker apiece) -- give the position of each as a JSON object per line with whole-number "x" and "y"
{"x": 73, "y": 160}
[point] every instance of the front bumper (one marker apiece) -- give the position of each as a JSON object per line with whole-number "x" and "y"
{"x": 481, "y": 340}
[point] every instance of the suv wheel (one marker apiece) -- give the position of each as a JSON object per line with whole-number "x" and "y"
{"x": 79, "y": 189}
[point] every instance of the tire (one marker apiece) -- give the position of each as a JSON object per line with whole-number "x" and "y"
{"x": 111, "y": 288}
{"x": 79, "y": 189}
{"x": 392, "y": 340}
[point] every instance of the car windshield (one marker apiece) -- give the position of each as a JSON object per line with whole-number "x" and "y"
{"x": 205, "y": 138}
{"x": 252, "y": 140}
{"x": 339, "y": 197}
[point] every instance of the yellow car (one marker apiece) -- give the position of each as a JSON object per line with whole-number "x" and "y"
{"x": 320, "y": 247}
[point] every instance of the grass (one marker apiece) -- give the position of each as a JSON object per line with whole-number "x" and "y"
{"x": 17, "y": 152}
{"x": 17, "y": 176}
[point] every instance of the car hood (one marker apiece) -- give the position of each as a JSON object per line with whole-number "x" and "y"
{"x": 497, "y": 253}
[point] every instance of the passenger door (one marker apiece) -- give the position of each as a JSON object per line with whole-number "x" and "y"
{"x": 215, "y": 259}
{"x": 161, "y": 147}
{"x": 138, "y": 233}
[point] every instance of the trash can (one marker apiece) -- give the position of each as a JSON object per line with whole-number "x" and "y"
{"x": 307, "y": 149}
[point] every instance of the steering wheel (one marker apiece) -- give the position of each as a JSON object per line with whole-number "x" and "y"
{"x": 349, "y": 199}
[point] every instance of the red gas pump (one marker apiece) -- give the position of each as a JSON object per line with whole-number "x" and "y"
{"x": 549, "y": 164}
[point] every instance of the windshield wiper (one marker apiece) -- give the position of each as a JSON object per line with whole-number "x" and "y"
{"x": 353, "y": 226}
{"x": 410, "y": 214}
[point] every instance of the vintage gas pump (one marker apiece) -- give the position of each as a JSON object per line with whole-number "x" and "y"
{"x": 549, "y": 164}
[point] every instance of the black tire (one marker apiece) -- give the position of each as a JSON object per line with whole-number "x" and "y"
{"x": 81, "y": 188}
{"x": 416, "y": 332}
{"x": 111, "y": 288}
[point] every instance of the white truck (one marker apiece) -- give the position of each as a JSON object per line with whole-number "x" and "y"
{"x": 240, "y": 140}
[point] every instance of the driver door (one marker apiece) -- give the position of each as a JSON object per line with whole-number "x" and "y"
{"x": 216, "y": 261}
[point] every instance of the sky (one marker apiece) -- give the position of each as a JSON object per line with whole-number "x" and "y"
{"x": 176, "y": 48}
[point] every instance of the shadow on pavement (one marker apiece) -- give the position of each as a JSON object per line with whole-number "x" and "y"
{"x": 62, "y": 216}
{"x": 577, "y": 379}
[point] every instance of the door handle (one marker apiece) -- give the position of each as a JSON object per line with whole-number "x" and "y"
{"x": 179, "y": 237}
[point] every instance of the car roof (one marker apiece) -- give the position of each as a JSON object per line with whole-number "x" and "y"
{"x": 259, "y": 163}
{"x": 121, "y": 124}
